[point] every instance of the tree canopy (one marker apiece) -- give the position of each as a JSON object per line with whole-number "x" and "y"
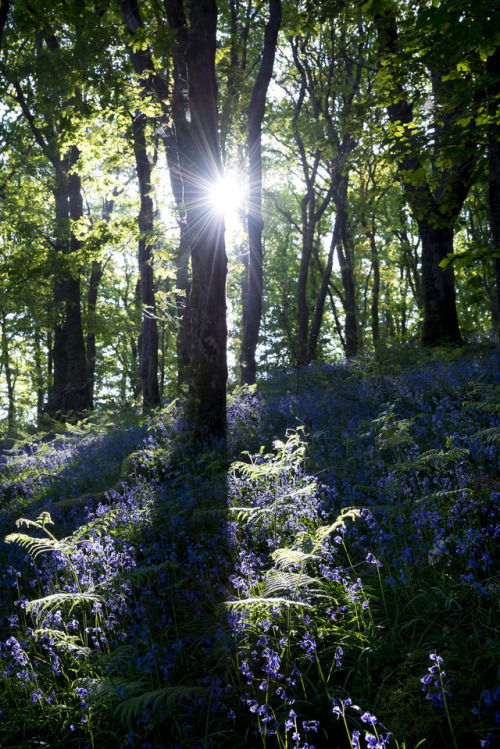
{"x": 364, "y": 138}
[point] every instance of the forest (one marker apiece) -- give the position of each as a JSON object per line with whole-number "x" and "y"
{"x": 249, "y": 374}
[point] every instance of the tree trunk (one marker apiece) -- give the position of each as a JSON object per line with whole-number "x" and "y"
{"x": 94, "y": 281}
{"x": 345, "y": 251}
{"x": 96, "y": 274}
{"x": 376, "y": 286}
{"x": 199, "y": 167}
{"x": 149, "y": 328}
{"x": 38, "y": 376}
{"x": 8, "y": 375}
{"x": 326, "y": 274}
{"x": 494, "y": 165}
{"x": 255, "y": 223}
{"x": 208, "y": 368}
{"x": 440, "y": 325}
{"x": 70, "y": 392}
{"x": 77, "y": 394}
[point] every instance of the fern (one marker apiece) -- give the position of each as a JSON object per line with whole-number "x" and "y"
{"x": 289, "y": 582}
{"x": 52, "y": 602}
{"x": 491, "y": 435}
{"x": 33, "y": 545}
{"x": 288, "y": 557}
{"x": 62, "y": 640}
{"x": 433, "y": 459}
{"x": 170, "y": 696}
{"x": 257, "y": 602}
{"x": 139, "y": 575}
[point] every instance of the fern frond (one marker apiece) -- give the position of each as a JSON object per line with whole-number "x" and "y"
{"x": 132, "y": 708}
{"x": 102, "y": 691}
{"x": 42, "y": 520}
{"x": 278, "y": 580}
{"x": 52, "y": 602}
{"x": 491, "y": 435}
{"x": 486, "y": 407}
{"x": 62, "y": 640}
{"x": 287, "y": 557}
{"x": 35, "y": 546}
{"x": 326, "y": 530}
{"x": 139, "y": 575}
{"x": 255, "y": 602}
{"x": 432, "y": 459}
{"x": 98, "y": 527}
{"x": 309, "y": 489}
{"x": 250, "y": 513}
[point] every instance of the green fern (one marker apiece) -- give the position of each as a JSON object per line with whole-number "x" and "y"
{"x": 62, "y": 640}
{"x": 53, "y": 601}
{"x": 169, "y": 696}
{"x": 277, "y": 580}
{"x": 33, "y": 545}
{"x": 260, "y": 602}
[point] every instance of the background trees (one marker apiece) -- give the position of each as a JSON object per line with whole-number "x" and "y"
{"x": 372, "y": 163}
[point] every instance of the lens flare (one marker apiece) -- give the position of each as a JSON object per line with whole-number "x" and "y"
{"x": 226, "y": 196}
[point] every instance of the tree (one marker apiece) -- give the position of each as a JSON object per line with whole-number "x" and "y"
{"x": 493, "y": 69}
{"x": 252, "y": 294}
{"x": 199, "y": 167}
{"x": 436, "y": 176}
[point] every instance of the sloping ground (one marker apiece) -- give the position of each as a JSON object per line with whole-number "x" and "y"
{"x": 341, "y": 579}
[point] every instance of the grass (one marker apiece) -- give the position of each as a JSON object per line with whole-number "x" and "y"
{"x": 337, "y": 587}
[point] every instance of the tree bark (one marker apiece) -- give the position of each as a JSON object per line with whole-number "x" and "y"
{"x": 8, "y": 375}
{"x": 149, "y": 358}
{"x": 38, "y": 376}
{"x": 345, "y": 251}
{"x": 201, "y": 166}
{"x": 256, "y": 108}
{"x": 376, "y": 285}
{"x": 70, "y": 392}
{"x": 493, "y": 67}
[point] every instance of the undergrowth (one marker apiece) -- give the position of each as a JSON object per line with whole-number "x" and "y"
{"x": 336, "y": 587}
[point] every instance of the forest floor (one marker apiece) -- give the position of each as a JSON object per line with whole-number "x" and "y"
{"x": 333, "y": 584}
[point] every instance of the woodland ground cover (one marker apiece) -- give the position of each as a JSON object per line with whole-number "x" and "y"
{"x": 331, "y": 580}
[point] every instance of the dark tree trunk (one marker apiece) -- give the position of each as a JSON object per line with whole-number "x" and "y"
{"x": 255, "y": 223}
{"x": 494, "y": 165}
{"x": 326, "y": 274}
{"x": 440, "y": 324}
{"x": 208, "y": 367}
{"x": 149, "y": 359}
{"x": 38, "y": 376}
{"x": 70, "y": 392}
{"x": 375, "y": 287}
{"x": 345, "y": 253}
{"x": 77, "y": 394}
{"x": 90, "y": 341}
{"x": 200, "y": 166}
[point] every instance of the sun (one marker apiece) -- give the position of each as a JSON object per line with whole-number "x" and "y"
{"x": 226, "y": 196}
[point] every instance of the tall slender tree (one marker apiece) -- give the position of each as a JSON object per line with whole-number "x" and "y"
{"x": 252, "y": 294}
